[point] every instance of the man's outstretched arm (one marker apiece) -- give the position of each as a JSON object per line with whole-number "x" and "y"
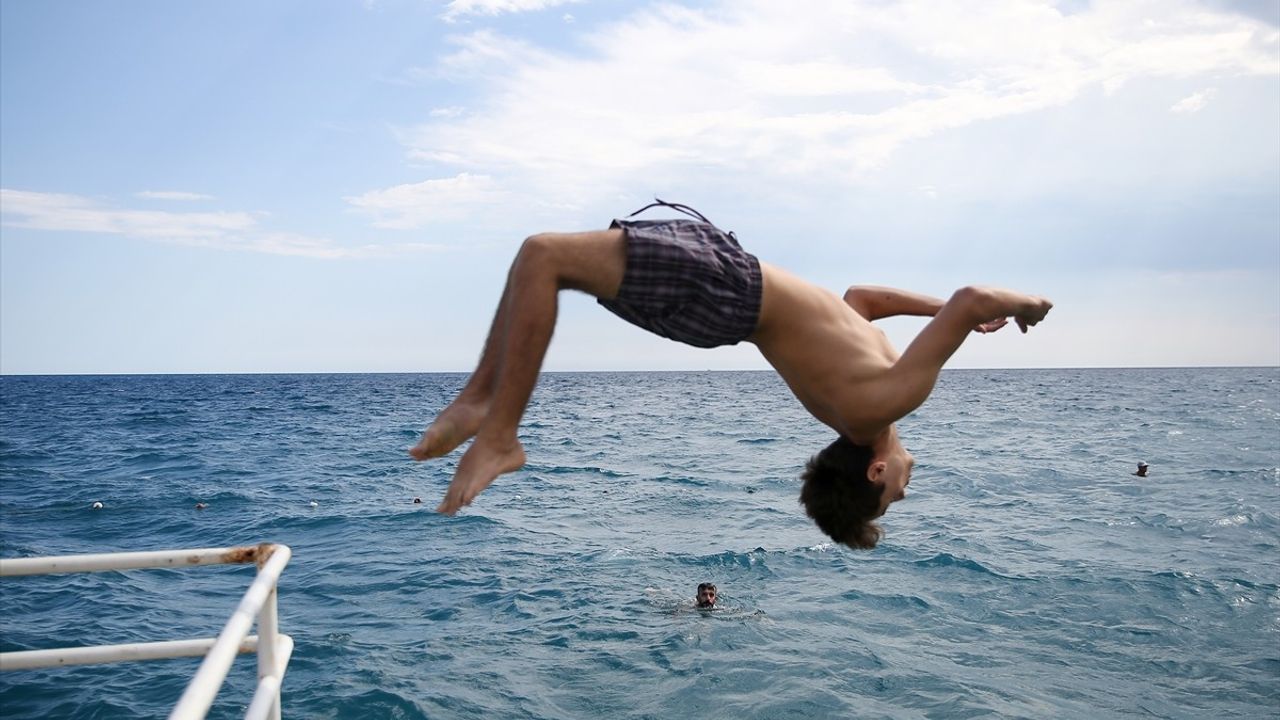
{"x": 913, "y": 376}
{"x": 873, "y": 302}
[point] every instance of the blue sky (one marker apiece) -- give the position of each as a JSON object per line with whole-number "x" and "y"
{"x": 310, "y": 187}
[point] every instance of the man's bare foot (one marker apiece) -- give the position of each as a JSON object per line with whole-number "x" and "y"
{"x": 454, "y": 426}
{"x": 483, "y": 462}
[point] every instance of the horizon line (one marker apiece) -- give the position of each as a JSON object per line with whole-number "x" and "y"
{"x": 605, "y": 370}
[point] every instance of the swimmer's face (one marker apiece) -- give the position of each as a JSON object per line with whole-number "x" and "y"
{"x": 706, "y": 596}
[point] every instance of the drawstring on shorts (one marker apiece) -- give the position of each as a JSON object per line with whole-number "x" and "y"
{"x": 659, "y": 202}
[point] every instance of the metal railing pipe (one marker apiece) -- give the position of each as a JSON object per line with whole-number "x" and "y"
{"x": 268, "y": 663}
{"x": 128, "y": 561}
{"x": 265, "y": 700}
{"x": 202, "y": 689}
{"x": 267, "y": 697}
{"x": 66, "y": 657}
{"x": 259, "y": 602}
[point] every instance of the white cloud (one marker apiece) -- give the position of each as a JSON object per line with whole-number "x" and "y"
{"x": 172, "y": 195}
{"x": 824, "y": 91}
{"x": 460, "y": 8}
{"x": 1193, "y": 103}
{"x": 50, "y": 211}
{"x": 219, "y": 230}
{"x": 417, "y": 204}
{"x": 317, "y": 248}
{"x": 482, "y": 53}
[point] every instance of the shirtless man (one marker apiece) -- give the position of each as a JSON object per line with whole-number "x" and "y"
{"x": 689, "y": 281}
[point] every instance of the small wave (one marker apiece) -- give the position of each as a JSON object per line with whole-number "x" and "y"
{"x": 33, "y": 455}
{"x": 1228, "y": 473}
{"x": 618, "y": 553}
{"x": 570, "y": 469}
{"x": 680, "y": 480}
{"x": 1160, "y": 520}
{"x": 157, "y": 457}
{"x": 371, "y": 703}
{"x": 891, "y": 601}
{"x": 756, "y": 559}
{"x": 317, "y": 407}
{"x": 1233, "y": 520}
{"x": 947, "y": 560}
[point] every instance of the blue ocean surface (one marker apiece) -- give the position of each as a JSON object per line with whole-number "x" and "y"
{"x": 1028, "y": 574}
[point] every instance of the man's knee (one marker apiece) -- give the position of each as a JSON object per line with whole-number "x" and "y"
{"x": 591, "y": 262}
{"x": 539, "y": 244}
{"x": 538, "y": 251}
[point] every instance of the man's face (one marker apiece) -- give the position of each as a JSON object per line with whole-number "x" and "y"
{"x": 895, "y": 475}
{"x": 706, "y": 597}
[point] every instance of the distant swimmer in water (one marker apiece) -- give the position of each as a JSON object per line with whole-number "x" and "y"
{"x": 1142, "y": 470}
{"x": 689, "y": 281}
{"x": 706, "y": 597}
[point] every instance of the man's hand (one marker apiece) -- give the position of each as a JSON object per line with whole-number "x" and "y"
{"x": 1027, "y": 310}
{"x": 1032, "y": 312}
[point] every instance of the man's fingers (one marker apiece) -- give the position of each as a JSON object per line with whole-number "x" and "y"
{"x": 991, "y": 325}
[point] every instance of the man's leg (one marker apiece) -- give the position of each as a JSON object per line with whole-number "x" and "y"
{"x": 592, "y": 262}
{"x": 458, "y": 422}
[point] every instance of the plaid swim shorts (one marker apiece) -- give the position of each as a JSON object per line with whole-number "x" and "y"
{"x": 689, "y": 281}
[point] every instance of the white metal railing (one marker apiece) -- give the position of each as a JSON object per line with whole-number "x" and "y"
{"x": 274, "y": 648}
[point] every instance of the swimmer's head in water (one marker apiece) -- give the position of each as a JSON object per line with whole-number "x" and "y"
{"x": 706, "y": 595}
{"x": 846, "y": 487}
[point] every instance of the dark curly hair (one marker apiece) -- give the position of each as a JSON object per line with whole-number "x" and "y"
{"x": 839, "y": 497}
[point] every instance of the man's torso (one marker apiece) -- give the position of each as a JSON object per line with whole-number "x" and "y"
{"x": 832, "y": 358}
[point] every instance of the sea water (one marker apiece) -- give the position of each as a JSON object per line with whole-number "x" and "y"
{"x": 1028, "y": 573}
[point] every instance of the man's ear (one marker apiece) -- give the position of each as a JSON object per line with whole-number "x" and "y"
{"x": 875, "y": 470}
